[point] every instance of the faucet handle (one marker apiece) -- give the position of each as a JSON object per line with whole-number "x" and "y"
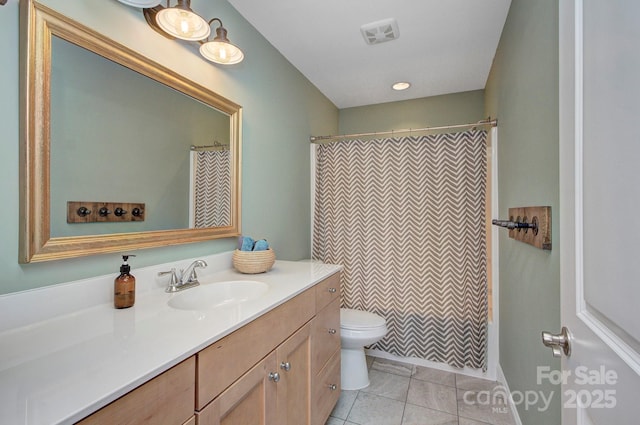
{"x": 173, "y": 280}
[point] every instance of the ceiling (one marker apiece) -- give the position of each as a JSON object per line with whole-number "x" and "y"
{"x": 442, "y": 46}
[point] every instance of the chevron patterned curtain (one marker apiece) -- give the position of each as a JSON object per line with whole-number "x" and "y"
{"x": 212, "y": 191}
{"x": 406, "y": 219}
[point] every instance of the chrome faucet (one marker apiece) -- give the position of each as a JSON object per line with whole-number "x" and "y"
{"x": 183, "y": 279}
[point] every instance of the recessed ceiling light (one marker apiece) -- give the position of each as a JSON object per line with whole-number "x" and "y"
{"x": 402, "y": 85}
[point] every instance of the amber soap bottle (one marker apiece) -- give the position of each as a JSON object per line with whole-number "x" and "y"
{"x": 124, "y": 295}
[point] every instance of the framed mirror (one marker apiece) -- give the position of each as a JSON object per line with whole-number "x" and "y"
{"x": 102, "y": 123}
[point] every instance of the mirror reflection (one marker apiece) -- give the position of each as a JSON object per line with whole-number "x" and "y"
{"x": 119, "y": 136}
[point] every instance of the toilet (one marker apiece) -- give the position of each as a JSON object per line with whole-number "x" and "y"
{"x": 357, "y": 329}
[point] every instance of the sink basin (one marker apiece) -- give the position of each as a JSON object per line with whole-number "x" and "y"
{"x": 218, "y": 294}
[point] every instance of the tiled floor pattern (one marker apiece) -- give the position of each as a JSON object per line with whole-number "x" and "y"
{"x": 405, "y": 394}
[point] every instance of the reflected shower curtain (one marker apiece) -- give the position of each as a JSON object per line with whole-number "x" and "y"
{"x": 212, "y": 190}
{"x": 406, "y": 219}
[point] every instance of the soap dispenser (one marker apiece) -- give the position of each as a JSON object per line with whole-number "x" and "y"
{"x": 124, "y": 294}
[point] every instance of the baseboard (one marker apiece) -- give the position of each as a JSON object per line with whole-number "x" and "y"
{"x": 503, "y": 380}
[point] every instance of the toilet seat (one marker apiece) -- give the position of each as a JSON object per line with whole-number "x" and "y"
{"x": 360, "y": 320}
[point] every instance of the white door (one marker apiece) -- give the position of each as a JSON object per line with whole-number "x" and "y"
{"x": 599, "y": 210}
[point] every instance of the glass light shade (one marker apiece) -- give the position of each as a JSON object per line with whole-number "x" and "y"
{"x": 221, "y": 52}
{"x": 182, "y": 23}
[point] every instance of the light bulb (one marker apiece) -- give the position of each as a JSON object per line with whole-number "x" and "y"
{"x": 185, "y": 25}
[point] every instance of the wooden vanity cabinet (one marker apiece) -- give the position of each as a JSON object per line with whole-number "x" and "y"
{"x": 283, "y": 368}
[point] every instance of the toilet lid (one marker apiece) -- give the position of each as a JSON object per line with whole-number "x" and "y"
{"x": 358, "y": 319}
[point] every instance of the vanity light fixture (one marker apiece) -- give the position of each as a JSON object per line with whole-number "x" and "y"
{"x": 220, "y": 50}
{"x": 183, "y": 23}
{"x": 401, "y": 85}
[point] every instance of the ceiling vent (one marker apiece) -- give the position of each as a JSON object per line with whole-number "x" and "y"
{"x": 380, "y": 31}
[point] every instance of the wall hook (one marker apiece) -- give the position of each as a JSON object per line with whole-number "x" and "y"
{"x": 514, "y": 224}
{"x": 540, "y": 225}
{"x": 83, "y": 211}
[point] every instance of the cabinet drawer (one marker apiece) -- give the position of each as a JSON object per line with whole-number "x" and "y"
{"x": 327, "y": 291}
{"x": 326, "y": 390}
{"x": 166, "y": 399}
{"x": 220, "y": 364}
{"x": 325, "y": 335}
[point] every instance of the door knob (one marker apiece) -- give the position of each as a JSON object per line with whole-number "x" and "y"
{"x": 559, "y": 343}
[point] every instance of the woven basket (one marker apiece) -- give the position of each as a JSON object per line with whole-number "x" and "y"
{"x": 251, "y": 262}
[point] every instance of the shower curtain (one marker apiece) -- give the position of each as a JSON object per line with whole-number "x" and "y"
{"x": 212, "y": 191}
{"x": 406, "y": 219}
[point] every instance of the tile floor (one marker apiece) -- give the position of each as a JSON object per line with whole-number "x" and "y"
{"x": 404, "y": 394}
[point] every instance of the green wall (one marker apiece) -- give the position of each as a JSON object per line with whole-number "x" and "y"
{"x": 281, "y": 109}
{"x": 522, "y": 91}
{"x": 457, "y": 108}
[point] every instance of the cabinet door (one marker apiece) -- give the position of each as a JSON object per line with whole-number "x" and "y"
{"x": 294, "y": 387}
{"x": 251, "y": 400}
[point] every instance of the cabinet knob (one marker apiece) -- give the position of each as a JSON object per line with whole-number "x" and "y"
{"x": 333, "y": 387}
{"x": 332, "y": 331}
{"x": 286, "y": 366}
{"x": 274, "y": 376}
{"x": 332, "y": 290}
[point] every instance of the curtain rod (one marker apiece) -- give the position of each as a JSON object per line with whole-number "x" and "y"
{"x": 492, "y": 122}
{"x": 215, "y": 147}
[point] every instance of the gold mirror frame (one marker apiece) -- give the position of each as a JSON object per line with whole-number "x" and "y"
{"x": 38, "y": 24}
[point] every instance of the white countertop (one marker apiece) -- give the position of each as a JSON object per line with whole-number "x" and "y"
{"x": 58, "y": 367}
